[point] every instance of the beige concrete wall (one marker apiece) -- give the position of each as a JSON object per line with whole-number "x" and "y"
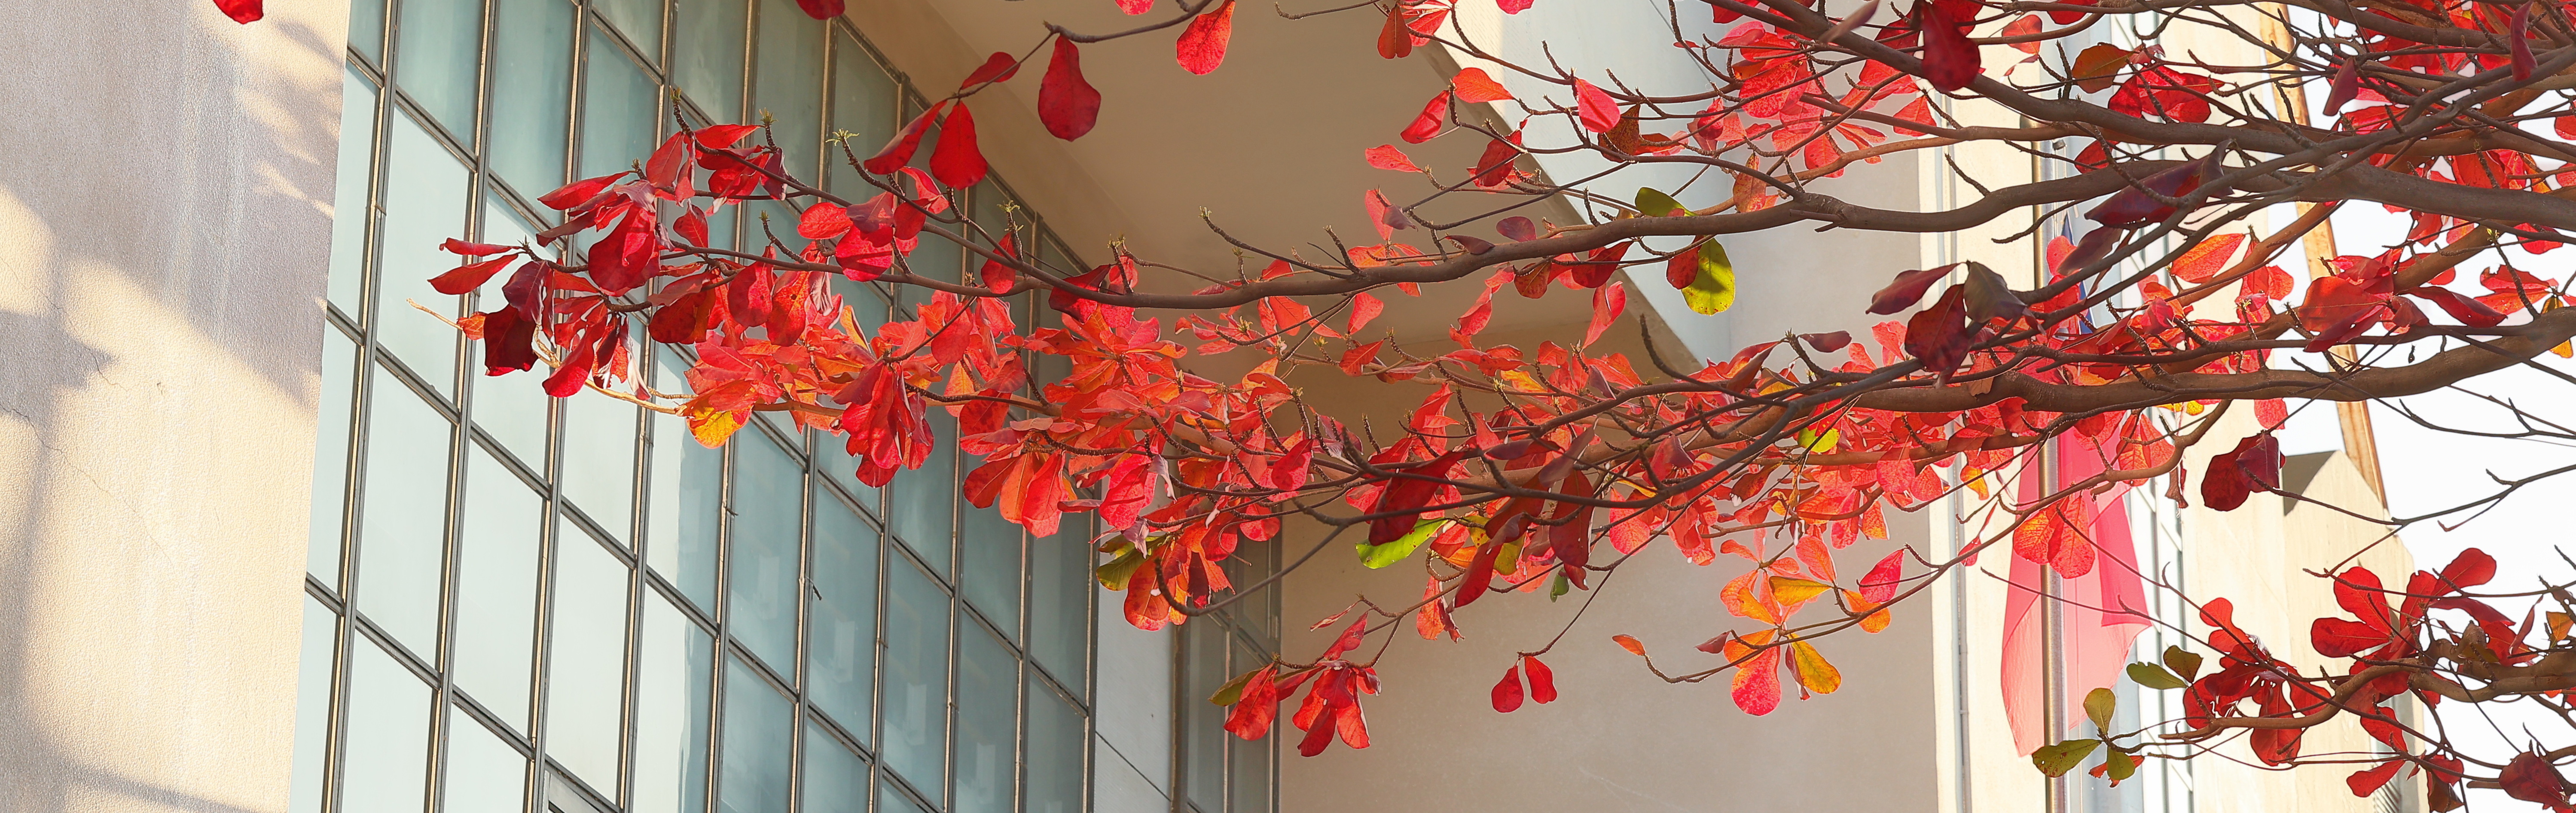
{"x": 165, "y": 224}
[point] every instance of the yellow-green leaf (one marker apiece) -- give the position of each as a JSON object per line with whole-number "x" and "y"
{"x": 1824, "y": 443}
{"x": 1713, "y": 290}
{"x": 1813, "y": 671}
{"x": 2122, "y": 766}
{"x": 2099, "y": 704}
{"x": 2056, "y": 760}
{"x": 1114, "y": 575}
{"x": 2154, "y": 677}
{"x": 1377, "y": 556}
{"x": 2182, "y": 662}
{"x": 1233, "y": 689}
{"x": 1651, "y": 203}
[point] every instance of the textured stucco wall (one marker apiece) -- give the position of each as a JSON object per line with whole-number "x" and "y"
{"x": 164, "y": 230}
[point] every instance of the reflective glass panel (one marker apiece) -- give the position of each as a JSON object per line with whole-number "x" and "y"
{"x": 618, "y": 110}
{"x": 367, "y": 29}
{"x": 707, "y": 55}
{"x": 639, "y": 20}
{"x": 766, "y": 515}
{"x": 673, "y": 681}
{"x": 989, "y": 577}
{"x": 599, "y": 436}
{"x": 843, "y": 640}
{"x": 531, "y": 93}
{"x": 350, "y": 209}
{"x": 331, "y": 456}
{"x": 404, "y": 516}
{"x": 425, "y": 204}
{"x": 757, "y": 725}
{"x": 484, "y": 774}
{"x": 1055, "y": 740}
{"x": 439, "y": 60}
{"x": 915, "y": 739}
{"x": 863, "y": 105}
{"x": 585, "y": 692}
{"x": 789, "y": 77}
{"x": 686, "y": 492}
{"x": 1060, "y": 589}
{"x": 921, "y": 505}
{"x": 835, "y": 779}
{"x": 496, "y": 588}
{"x": 1202, "y": 724}
{"x": 988, "y": 693}
{"x": 384, "y": 768}
{"x": 512, "y": 408}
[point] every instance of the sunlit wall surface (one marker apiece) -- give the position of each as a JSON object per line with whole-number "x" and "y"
{"x": 517, "y": 603}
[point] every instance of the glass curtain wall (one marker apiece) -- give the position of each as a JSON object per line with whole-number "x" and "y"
{"x": 517, "y": 603}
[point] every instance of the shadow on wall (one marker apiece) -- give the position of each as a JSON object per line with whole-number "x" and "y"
{"x": 164, "y": 229}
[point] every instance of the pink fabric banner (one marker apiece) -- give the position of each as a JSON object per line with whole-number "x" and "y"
{"x": 2102, "y": 616}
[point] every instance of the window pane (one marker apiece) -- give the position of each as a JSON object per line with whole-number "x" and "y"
{"x": 511, "y": 408}
{"x": 531, "y": 93}
{"x": 331, "y": 456}
{"x": 425, "y": 203}
{"x": 313, "y": 706}
{"x": 843, "y": 641}
{"x": 386, "y": 765}
{"x": 404, "y": 518}
{"x": 988, "y": 693}
{"x": 891, "y": 800}
{"x": 835, "y": 779}
{"x": 1251, "y": 758}
{"x": 916, "y": 675}
{"x": 367, "y": 29}
{"x": 674, "y": 676}
{"x": 1060, "y": 590}
{"x": 687, "y": 483}
{"x": 587, "y": 663}
{"x": 757, "y": 725}
{"x": 919, "y": 509}
{"x": 639, "y": 20}
{"x": 618, "y": 109}
{"x": 484, "y": 774}
{"x": 599, "y": 460}
{"x": 496, "y": 588}
{"x": 990, "y": 576}
{"x": 863, "y": 98}
{"x": 707, "y": 55}
{"x": 350, "y": 209}
{"x": 789, "y": 74}
{"x": 439, "y": 57}
{"x": 766, "y": 516}
{"x": 1202, "y": 724}
{"x": 1055, "y": 739}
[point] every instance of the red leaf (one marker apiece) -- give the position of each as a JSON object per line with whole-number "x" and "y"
{"x": 692, "y": 226}
{"x": 1599, "y": 112}
{"x": 469, "y": 277}
{"x": 1542, "y": 680}
{"x": 1408, "y": 494}
{"x": 1474, "y": 85}
{"x": 1364, "y": 309}
{"x": 1513, "y": 6}
{"x": 2368, "y": 780}
{"x": 1898, "y": 295}
{"x": 460, "y": 247}
{"x": 242, "y": 11}
{"x": 1507, "y": 694}
{"x": 1387, "y": 157}
{"x": 1879, "y": 584}
{"x": 999, "y": 67}
{"x": 898, "y": 152}
{"x": 575, "y": 371}
{"x": 578, "y": 192}
{"x": 821, "y": 9}
{"x": 1066, "y": 103}
{"x": 1394, "y": 41}
{"x": 1757, "y": 683}
{"x": 1950, "y": 60}
{"x": 2338, "y": 638}
{"x": 957, "y": 161}
{"x": 823, "y": 221}
{"x": 724, "y": 135}
{"x": 2271, "y": 413}
{"x": 2530, "y": 777}
{"x": 1494, "y": 168}
{"x": 1608, "y": 302}
{"x": 1202, "y": 46}
{"x": 2517, "y": 39}
{"x": 1349, "y": 640}
{"x": 2471, "y": 568}
{"x": 508, "y": 342}
{"x": 1428, "y": 124}
{"x": 1135, "y": 6}
{"x": 1258, "y": 706}
{"x": 2467, "y": 309}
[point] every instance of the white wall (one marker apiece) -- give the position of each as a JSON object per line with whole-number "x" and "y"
{"x": 165, "y": 225}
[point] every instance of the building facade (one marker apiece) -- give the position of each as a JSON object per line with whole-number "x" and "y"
{"x": 265, "y": 492}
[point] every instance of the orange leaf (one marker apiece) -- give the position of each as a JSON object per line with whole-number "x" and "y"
{"x": 1630, "y": 644}
{"x": 1474, "y": 86}
{"x": 2207, "y": 259}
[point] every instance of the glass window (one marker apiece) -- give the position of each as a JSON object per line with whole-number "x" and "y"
{"x": 588, "y": 664}
{"x": 988, "y": 693}
{"x": 891, "y": 800}
{"x": 511, "y": 408}
{"x": 599, "y": 435}
{"x": 531, "y": 93}
{"x": 863, "y": 106}
{"x": 484, "y": 774}
{"x": 313, "y": 706}
{"x": 496, "y": 588}
{"x": 674, "y": 676}
{"x": 367, "y": 30}
{"x": 1060, "y": 589}
{"x": 687, "y": 486}
{"x": 439, "y": 60}
{"x": 400, "y": 555}
{"x": 617, "y": 109}
{"x": 1055, "y": 740}
{"x": 915, "y": 739}
{"x": 1202, "y": 733}
{"x": 639, "y": 20}
{"x": 425, "y": 204}
{"x": 835, "y": 779}
{"x": 990, "y": 576}
{"x": 331, "y": 456}
{"x": 842, "y": 641}
{"x": 351, "y": 211}
{"x": 921, "y": 508}
{"x": 757, "y": 724}
{"x": 707, "y": 55}
{"x": 766, "y": 517}
{"x": 386, "y": 766}
{"x": 789, "y": 77}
